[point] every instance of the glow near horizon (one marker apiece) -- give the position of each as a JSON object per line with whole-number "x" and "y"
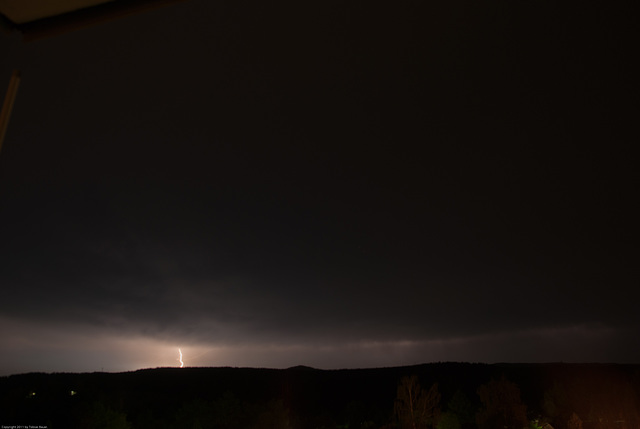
{"x": 53, "y": 349}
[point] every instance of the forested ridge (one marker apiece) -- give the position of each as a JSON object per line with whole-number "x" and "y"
{"x": 436, "y": 395}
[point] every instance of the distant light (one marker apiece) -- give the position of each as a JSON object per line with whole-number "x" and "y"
{"x": 73, "y": 392}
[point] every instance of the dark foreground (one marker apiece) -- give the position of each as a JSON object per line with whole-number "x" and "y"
{"x": 442, "y": 395}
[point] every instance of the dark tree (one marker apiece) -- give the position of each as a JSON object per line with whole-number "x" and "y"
{"x": 574, "y": 422}
{"x": 449, "y": 420}
{"x": 98, "y": 416}
{"x": 273, "y": 415}
{"x": 415, "y": 408}
{"x": 554, "y": 405}
{"x": 460, "y": 406}
{"x": 502, "y": 407}
{"x": 228, "y": 412}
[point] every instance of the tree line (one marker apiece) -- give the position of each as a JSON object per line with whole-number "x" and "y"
{"x": 610, "y": 406}
{"x": 432, "y": 396}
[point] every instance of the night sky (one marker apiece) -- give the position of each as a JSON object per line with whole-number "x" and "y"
{"x": 333, "y": 184}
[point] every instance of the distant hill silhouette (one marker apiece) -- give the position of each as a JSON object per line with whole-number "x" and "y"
{"x": 304, "y": 397}
{"x": 301, "y": 368}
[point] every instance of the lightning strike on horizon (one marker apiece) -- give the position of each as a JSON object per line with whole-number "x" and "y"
{"x": 180, "y": 358}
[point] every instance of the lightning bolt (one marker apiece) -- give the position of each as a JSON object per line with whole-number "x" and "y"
{"x": 180, "y": 358}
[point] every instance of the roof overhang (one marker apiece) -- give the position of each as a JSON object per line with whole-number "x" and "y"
{"x": 42, "y": 18}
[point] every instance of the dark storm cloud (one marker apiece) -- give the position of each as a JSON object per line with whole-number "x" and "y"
{"x": 320, "y": 185}
{"x": 137, "y": 283}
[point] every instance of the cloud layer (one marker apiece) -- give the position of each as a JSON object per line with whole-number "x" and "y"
{"x": 320, "y": 187}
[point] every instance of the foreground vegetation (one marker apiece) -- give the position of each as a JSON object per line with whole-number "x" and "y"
{"x": 430, "y": 396}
